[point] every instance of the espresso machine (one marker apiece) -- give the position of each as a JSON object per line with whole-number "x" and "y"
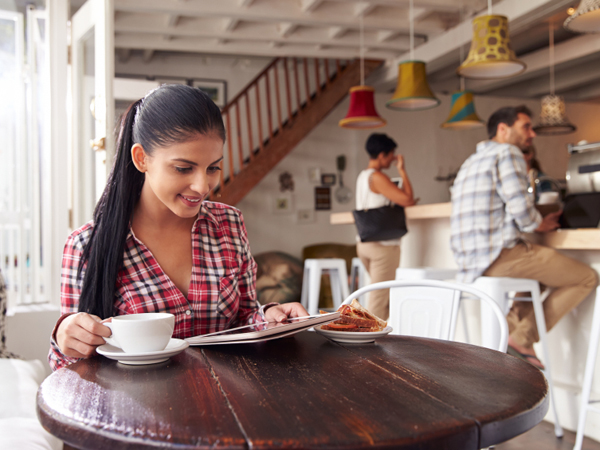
{"x": 582, "y": 204}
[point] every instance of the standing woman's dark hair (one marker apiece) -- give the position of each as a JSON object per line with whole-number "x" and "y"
{"x": 168, "y": 115}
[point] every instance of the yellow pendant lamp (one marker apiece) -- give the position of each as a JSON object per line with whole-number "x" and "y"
{"x": 361, "y": 112}
{"x": 462, "y": 113}
{"x": 586, "y": 19}
{"x": 412, "y": 91}
{"x": 491, "y": 55}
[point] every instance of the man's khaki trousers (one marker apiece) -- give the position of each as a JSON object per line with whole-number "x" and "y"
{"x": 381, "y": 261}
{"x": 571, "y": 281}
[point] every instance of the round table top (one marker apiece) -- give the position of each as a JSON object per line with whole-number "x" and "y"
{"x": 299, "y": 392}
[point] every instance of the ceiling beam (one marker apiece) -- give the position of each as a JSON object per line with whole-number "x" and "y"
{"x": 209, "y": 46}
{"x": 443, "y": 50}
{"x": 285, "y": 12}
{"x": 538, "y": 62}
{"x": 351, "y": 40}
{"x": 309, "y": 6}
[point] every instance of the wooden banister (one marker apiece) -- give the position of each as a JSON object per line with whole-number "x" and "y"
{"x": 247, "y": 161}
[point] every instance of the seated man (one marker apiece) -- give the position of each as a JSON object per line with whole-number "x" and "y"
{"x": 491, "y": 208}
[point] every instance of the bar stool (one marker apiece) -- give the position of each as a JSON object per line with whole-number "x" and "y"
{"x": 500, "y": 289}
{"x": 590, "y": 364}
{"x": 311, "y": 282}
{"x": 359, "y": 278}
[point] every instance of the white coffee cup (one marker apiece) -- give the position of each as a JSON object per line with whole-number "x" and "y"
{"x": 139, "y": 333}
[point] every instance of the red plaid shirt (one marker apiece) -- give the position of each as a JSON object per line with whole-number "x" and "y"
{"x": 222, "y": 287}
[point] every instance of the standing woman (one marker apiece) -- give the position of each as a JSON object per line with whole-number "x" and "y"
{"x": 155, "y": 244}
{"x": 374, "y": 189}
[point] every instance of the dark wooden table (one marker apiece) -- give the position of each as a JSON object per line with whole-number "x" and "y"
{"x": 299, "y": 392}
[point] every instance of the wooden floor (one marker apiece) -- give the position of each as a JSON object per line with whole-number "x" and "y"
{"x": 542, "y": 438}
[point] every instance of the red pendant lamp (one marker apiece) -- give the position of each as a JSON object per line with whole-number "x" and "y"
{"x": 361, "y": 112}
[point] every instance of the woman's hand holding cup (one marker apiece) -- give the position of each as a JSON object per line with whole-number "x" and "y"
{"x": 79, "y": 334}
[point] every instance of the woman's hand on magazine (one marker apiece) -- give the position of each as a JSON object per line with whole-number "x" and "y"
{"x": 280, "y": 313}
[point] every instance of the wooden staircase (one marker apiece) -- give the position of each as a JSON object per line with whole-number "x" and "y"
{"x": 274, "y": 112}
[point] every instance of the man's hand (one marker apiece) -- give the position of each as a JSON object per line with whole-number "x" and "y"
{"x": 549, "y": 223}
{"x": 280, "y": 313}
{"x": 79, "y": 335}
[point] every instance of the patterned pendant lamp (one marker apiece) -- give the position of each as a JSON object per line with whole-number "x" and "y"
{"x": 412, "y": 91}
{"x": 553, "y": 118}
{"x": 462, "y": 109}
{"x": 361, "y": 112}
{"x": 491, "y": 55}
{"x": 462, "y": 113}
{"x": 586, "y": 19}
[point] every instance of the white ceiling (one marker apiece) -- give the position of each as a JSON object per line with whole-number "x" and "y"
{"x": 331, "y": 29}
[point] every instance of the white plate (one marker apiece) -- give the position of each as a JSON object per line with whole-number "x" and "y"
{"x": 174, "y": 347}
{"x": 349, "y": 337}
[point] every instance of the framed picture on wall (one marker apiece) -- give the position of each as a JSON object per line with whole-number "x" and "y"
{"x": 216, "y": 89}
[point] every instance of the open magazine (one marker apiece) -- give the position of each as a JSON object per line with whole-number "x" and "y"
{"x": 263, "y": 331}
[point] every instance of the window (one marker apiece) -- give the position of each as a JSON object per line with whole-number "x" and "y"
{"x": 24, "y": 175}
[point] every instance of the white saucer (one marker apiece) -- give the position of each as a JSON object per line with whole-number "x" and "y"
{"x": 174, "y": 347}
{"x": 349, "y": 337}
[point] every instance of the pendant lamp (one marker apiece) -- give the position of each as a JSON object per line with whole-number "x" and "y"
{"x": 586, "y": 19}
{"x": 361, "y": 112}
{"x": 462, "y": 113}
{"x": 491, "y": 55}
{"x": 553, "y": 118}
{"x": 412, "y": 91}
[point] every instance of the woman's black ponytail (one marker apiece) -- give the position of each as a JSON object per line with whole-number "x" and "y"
{"x": 168, "y": 115}
{"x": 104, "y": 251}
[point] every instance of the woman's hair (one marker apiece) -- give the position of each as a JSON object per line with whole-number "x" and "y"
{"x": 533, "y": 162}
{"x": 379, "y": 143}
{"x": 168, "y": 115}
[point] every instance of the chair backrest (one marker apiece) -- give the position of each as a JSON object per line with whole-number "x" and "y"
{"x": 429, "y": 308}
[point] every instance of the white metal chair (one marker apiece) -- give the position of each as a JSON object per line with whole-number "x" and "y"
{"x": 590, "y": 364}
{"x": 429, "y": 308}
{"x": 359, "y": 277}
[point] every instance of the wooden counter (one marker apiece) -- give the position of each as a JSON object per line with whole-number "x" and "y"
{"x": 564, "y": 239}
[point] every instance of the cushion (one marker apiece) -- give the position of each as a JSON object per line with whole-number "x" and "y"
{"x": 26, "y": 434}
{"x": 278, "y": 278}
{"x": 19, "y": 426}
{"x": 4, "y": 353}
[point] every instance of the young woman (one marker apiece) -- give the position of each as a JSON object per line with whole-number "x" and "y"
{"x": 374, "y": 189}
{"x": 155, "y": 244}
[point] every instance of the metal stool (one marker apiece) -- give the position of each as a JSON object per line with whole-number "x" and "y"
{"x": 359, "y": 278}
{"x": 590, "y": 364}
{"x": 500, "y": 289}
{"x": 311, "y": 283}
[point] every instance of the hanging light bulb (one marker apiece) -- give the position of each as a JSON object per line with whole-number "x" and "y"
{"x": 586, "y": 19}
{"x": 553, "y": 118}
{"x": 462, "y": 113}
{"x": 412, "y": 91}
{"x": 491, "y": 55}
{"x": 361, "y": 112}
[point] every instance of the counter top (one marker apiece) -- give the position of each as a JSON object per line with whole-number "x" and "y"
{"x": 564, "y": 239}
{"x": 431, "y": 211}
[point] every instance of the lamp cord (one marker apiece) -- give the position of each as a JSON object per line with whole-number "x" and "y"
{"x": 362, "y": 50}
{"x": 489, "y": 7}
{"x": 461, "y": 50}
{"x": 412, "y": 30}
{"x": 551, "y": 54}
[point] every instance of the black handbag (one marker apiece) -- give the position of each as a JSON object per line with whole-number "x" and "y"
{"x": 380, "y": 224}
